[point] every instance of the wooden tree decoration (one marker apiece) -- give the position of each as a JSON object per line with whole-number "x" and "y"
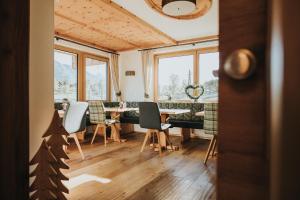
{"x": 43, "y": 185}
{"x": 56, "y": 142}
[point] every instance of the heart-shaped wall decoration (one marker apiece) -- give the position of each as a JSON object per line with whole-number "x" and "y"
{"x": 194, "y": 91}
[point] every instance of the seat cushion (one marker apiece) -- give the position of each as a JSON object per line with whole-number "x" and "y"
{"x": 110, "y": 121}
{"x": 186, "y": 124}
{"x": 129, "y": 120}
{"x": 165, "y": 126}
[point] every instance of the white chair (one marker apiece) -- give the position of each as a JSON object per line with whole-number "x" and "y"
{"x": 75, "y": 121}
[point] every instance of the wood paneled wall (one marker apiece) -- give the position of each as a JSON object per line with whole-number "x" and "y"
{"x": 14, "y": 105}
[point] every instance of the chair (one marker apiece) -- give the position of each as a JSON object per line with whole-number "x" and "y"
{"x": 150, "y": 119}
{"x": 75, "y": 121}
{"x": 98, "y": 118}
{"x": 211, "y": 127}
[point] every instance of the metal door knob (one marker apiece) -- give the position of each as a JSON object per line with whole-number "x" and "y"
{"x": 240, "y": 64}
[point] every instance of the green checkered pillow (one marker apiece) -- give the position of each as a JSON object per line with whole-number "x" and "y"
{"x": 97, "y": 113}
{"x": 211, "y": 118}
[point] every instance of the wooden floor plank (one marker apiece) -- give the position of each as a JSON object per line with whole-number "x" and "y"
{"x": 120, "y": 171}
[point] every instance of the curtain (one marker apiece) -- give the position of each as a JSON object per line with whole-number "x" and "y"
{"x": 147, "y": 65}
{"x": 114, "y": 66}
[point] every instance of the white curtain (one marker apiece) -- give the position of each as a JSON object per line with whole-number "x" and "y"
{"x": 114, "y": 68}
{"x": 147, "y": 64}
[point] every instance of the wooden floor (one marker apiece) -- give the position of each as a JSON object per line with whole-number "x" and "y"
{"x": 120, "y": 171}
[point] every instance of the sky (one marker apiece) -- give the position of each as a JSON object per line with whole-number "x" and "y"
{"x": 181, "y": 66}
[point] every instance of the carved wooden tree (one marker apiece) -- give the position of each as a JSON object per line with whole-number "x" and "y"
{"x": 43, "y": 185}
{"x": 57, "y": 140}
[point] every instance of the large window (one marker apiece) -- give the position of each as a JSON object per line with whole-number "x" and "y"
{"x": 174, "y": 74}
{"x": 95, "y": 79}
{"x": 208, "y": 74}
{"x": 65, "y": 76}
{"x": 80, "y": 76}
{"x": 174, "y": 71}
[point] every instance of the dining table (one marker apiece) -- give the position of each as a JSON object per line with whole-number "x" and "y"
{"x": 115, "y": 113}
{"x": 164, "y": 115}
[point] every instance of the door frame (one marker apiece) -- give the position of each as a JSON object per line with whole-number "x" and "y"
{"x": 14, "y": 107}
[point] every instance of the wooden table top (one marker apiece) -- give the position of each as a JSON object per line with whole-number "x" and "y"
{"x": 199, "y": 114}
{"x": 173, "y": 111}
{"x": 113, "y": 109}
{"x": 165, "y": 111}
{"x": 119, "y": 110}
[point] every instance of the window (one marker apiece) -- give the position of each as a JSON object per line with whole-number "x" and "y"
{"x": 95, "y": 79}
{"x": 208, "y": 74}
{"x": 174, "y": 74}
{"x": 174, "y": 71}
{"x": 65, "y": 76}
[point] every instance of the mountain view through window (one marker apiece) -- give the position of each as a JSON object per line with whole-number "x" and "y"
{"x": 65, "y": 76}
{"x": 96, "y": 79}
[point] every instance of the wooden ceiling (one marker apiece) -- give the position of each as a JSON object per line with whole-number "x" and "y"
{"x": 104, "y": 24}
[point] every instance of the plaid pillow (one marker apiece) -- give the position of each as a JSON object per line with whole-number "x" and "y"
{"x": 211, "y": 118}
{"x": 97, "y": 113}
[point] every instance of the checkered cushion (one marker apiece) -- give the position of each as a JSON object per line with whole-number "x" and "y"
{"x": 211, "y": 118}
{"x": 97, "y": 113}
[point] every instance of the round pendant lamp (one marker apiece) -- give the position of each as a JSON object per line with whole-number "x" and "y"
{"x": 178, "y": 7}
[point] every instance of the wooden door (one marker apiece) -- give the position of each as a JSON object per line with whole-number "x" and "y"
{"x": 285, "y": 100}
{"x": 243, "y": 159}
{"x": 14, "y": 103}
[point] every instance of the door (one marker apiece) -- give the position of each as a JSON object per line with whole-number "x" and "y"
{"x": 14, "y": 103}
{"x": 285, "y": 98}
{"x": 243, "y": 158}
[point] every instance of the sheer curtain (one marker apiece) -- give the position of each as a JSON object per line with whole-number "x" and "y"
{"x": 147, "y": 64}
{"x": 114, "y": 66}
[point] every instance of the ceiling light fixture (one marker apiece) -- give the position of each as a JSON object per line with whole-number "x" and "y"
{"x": 178, "y": 7}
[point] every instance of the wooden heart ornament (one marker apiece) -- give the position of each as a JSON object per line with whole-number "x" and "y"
{"x": 194, "y": 91}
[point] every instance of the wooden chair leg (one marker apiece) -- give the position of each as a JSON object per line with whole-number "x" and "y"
{"x": 145, "y": 140}
{"x": 95, "y": 133}
{"x": 104, "y": 133}
{"x": 214, "y": 146}
{"x": 168, "y": 139}
{"x": 209, "y": 149}
{"x": 158, "y": 138}
{"x": 78, "y": 145}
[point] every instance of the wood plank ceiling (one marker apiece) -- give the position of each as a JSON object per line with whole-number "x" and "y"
{"x": 104, "y": 24}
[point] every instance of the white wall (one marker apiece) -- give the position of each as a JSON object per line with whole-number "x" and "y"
{"x": 41, "y": 70}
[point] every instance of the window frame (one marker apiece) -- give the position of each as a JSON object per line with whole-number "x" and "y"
{"x": 108, "y": 86}
{"x": 81, "y": 55}
{"x": 68, "y": 51}
{"x": 205, "y": 51}
{"x": 196, "y": 69}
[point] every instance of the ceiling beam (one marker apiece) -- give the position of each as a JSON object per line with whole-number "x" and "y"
{"x": 199, "y": 39}
{"x": 180, "y": 43}
{"x": 83, "y": 42}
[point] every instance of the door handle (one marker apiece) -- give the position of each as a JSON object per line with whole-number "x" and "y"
{"x": 240, "y": 64}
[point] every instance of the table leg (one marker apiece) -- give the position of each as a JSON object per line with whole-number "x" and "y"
{"x": 116, "y": 128}
{"x": 163, "y": 139}
{"x": 185, "y": 134}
